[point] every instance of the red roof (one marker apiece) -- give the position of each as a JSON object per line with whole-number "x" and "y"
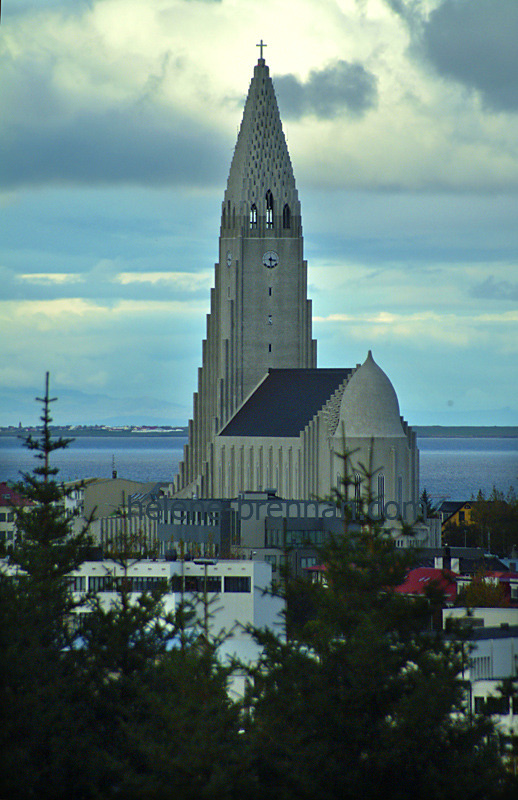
{"x": 10, "y": 497}
{"x": 417, "y": 581}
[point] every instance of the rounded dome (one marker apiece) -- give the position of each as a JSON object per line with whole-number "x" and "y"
{"x": 369, "y": 404}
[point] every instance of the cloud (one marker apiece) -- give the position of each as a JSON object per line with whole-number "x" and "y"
{"x": 492, "y": 289}
{"x": 184, "y": 281}
{"x": 73, "y": 113}
{"x": 51, "y": 278}
{"x": 475, "y": 42}
{"x": 411, "y": 11}
{"x": 105, "y": 284}
{"x": 339, "y": 88}
{"x": 110, "y": 147}
{"x": 427, "y": 329}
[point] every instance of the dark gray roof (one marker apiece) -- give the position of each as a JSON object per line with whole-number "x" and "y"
{"x": 284, "y": 402}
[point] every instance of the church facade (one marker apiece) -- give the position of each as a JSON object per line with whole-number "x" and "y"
{"x": 265, "y": 418}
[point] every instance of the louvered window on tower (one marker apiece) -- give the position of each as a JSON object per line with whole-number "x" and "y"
{"x": 286, "y": 217}
{"x": 269, "y": 209}
{"x": 253, "y": 216}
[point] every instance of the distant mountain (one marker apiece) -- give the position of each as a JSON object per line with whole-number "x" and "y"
{"x": 79, "y": 408}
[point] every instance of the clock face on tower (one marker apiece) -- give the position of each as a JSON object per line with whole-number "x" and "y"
{"x": 270, "y": 259}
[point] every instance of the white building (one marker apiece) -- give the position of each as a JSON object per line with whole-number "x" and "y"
{"x": 236, "y": 593}
{"x": 493, "y": 660}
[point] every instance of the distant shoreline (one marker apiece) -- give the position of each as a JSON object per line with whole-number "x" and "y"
{"x": 141, "y": 432}
{"x": 466, "y": 431}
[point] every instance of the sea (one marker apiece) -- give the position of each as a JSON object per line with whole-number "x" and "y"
{"x": 450, "y": 468}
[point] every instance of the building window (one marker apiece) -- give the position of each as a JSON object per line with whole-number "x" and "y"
{"x": 253, "y": 216}
{"x": 235, "y": 583}
{"x": 497, "y": 705}
{"x": 77, "y": 583}
{"x": 479, "y": 705}
{"x": 286, "y": 217}
{"x": 269, "y": 348}
{"x": 269, "y": 209}
{"x": 272, "y": 560}
{"x": 196, "y": 584}
{"x": 101, "y": 583}
{"x": 307, "y": 561}
{"x": 269, "y": 319}
{"x": 270, "y": 291}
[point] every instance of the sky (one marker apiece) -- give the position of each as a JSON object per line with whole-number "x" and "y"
{"x": 118, "y": 120}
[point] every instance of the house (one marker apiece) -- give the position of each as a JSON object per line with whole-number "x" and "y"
{"x": 9, "y": 499}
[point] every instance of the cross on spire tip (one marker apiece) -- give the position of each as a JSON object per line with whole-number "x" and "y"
{"x": 261, "y": 45}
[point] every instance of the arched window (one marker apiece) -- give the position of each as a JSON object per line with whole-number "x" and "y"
{"x": 286, "y": 217}
{"x": 269, "y": 209}
{"x": 253, "y": 215}
{"x": 381, "y": 493}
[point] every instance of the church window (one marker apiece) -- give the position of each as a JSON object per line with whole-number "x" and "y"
{"x": 286, "y": 217}
{"x": 270, "y": 291}
{"x": 269, "y": 348}
{"x": 381, "y": 492}
{"x": 358, "y": 492}
{"x": 270, "y": 319}
{"x": 269, "y": 209}
{"x": 253, "y": 215}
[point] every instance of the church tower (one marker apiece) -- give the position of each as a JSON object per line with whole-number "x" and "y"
{"x": 260, "y": 317}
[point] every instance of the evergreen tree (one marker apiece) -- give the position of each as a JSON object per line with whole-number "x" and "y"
{"x": 158, "y": 697}
{"x": 41, "y": 718}
{"x": 366, "y": 700}
{"x": 429, "y": 510}
{"x": 121, "y": 701}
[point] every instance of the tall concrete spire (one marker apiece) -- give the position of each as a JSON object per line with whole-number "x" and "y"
{"x": 260, "y": 316}
{"x": 261, "y": 160}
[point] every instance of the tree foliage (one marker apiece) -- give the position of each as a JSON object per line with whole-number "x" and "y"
{"x": 495, "y": 521}
{"x": 360, "y": 699}
{"x": 483, "y": 592}
{"x": 365, "y": 700}
{"x": 121, "y": 701}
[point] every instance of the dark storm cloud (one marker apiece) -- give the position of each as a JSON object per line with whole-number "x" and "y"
{"x": 110, "y": 147}
{"x": 341, "y": 87}
{"x": 45, "y": 138}
{"x": 475, "y": 42}
{"x": 492, "y": 289}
